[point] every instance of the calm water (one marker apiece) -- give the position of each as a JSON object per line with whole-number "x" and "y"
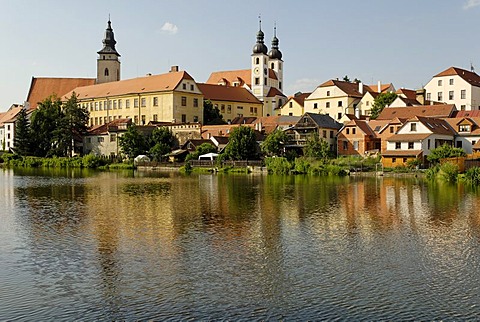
{"x": 161, "y": 246}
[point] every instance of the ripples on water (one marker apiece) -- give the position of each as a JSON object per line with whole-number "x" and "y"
{"x": 113, "y": 246}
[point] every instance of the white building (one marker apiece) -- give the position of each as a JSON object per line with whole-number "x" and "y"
{"x": 455, "y": 86}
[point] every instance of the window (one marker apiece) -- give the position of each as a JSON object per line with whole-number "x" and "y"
{"x": 340, "y": 103}
{"x": 144, "y": 102}
{"x": 459, "y": 144}
{"x": 398, "y": 145}
{"x": 328, "y": 93}
{"x": 106, "y": 72}
{"x": 428, "y": 144}
{"x": 464, "y": 128}
{"x": 348, "y": 131}
{"x": 463, "y": 94}
{"x": 331, "y": 134}
{"x": 192, "y": 87}
{"x": 290, "y": 104}
{"x": 367, "y": 103}
{"x": 195, "y": 102}
{"x": 114, "y": 104}
{"x": 229, "y": 108}
{"x": 184, "y": 101}
{"x": 473, "y": 142}
{"x": 339, "y": 116}
{"x": 127, "y": 103}
{"x": 450, "y": 95}
{"x": 324, "y": 134}
{"x": 257, "y": 60}
{"x": 155, "y": 101}
{"x": 184, "y": 86}
{"x": 257, "y": 81}
{"x": 394, "y": 160}
{"x": 450, "y": 81}
{"x": 222, "y": 108}
{"x": 119, "y": 104}
{"x": 184, "y": 118}
{"x": 144, "y": 120}
{"x": 439, "y": 96}
{"x": 439, "y": 82}
{"x": 429, "y": 96}
{"x": 355, "y": 145}
{"x": 155, "y": 117}
{"x": 315, "y": 105}
{"x": 354, "y": 130}
{"x": 135, "y": 119}
{"x": 410, "y": 145}
{"x": 272, "y": 66}
{"x": 392, "y": 129}
{"x": 195, "y": 118}
{"x": 462, "y": 107}
{"x": 404, "y": 160}
{"x": 96, "y": 106}
{"x": 290, "y": 114}
{"x": 100, "y": 139}
{"x": 327, "y": 105}
{"x": 135, "y": 102}
{"x": 345, "y": 145}
{"x": 413, "y": 127}
{"x": 240, "y": 108}
{"x": 113, "y": 137}
{"x": 280, "y": 85}
{"x": 101, "y": 106}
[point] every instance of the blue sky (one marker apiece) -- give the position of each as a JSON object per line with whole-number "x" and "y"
{"x": 403, "y": 42}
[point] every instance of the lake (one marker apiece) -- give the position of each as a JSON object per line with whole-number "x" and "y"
{"x": 85, "y": 245}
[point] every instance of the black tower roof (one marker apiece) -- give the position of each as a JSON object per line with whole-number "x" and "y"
{"x": 275, "y": 53}
{"x": 109, "y": 42}
{"x": 260, "y": 47}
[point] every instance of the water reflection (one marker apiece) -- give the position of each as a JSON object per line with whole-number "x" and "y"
{"x": 130, "y": 245}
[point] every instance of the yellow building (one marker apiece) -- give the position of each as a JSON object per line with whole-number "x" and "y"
{"x": 232, "y": 101}
{"x": 171, "y": 97}
{"x": 294, "y": 106}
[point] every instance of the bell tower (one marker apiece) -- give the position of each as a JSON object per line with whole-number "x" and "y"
{"x": 259, "y": 70}
{"x": 108, "y": 63}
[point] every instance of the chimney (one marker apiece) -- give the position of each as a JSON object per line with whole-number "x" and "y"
{"x": 173, "y": 69}
{"x": 360, "y": 87}
{"x": 379, "y": 87}
{"x": 420, "y": 96}
{"x": 357, "y": 113}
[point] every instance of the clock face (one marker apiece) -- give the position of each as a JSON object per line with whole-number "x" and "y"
{"x": 256, "y": 70}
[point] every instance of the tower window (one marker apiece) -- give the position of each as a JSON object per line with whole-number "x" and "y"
{"x": 257, "y": 60}
{"x": 106, "y": 71}
{"x": 272, "y": 66}
{"x": 257, "y": 81}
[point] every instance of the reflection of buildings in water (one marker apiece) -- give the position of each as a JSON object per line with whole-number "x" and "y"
{"x": 7, "y": 184}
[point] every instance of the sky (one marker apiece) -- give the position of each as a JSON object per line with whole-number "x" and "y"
{"x": 401, "y": 42}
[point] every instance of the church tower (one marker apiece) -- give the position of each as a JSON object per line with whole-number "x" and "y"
{"x": 275, "y": 59}
{"x": 259, "y": 70}
{"x": 108, "y": 63}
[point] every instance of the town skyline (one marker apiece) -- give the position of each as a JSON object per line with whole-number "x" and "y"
{"x": 51, "y": 39}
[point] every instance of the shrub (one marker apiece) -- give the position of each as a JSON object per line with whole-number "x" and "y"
{"x": 431, "y": 173}
{"x": 448, "y": 172}
{"x": 472, "y": 176}
{"x": 301, "y": 166}
{"x": 278, "y": 165}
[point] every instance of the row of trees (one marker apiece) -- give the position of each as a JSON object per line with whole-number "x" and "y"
{"x": 52, "y": 128}
{"x": 156, "y": 145}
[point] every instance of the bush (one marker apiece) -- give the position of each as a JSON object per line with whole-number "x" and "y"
{"x": 448, "y": 172}
{"x": 302, "y": 166}
{"x": 472, "y": 176}
{"x": 278, "y": 165}
{"x": 92, "y": 161}
{"x": 431, "y": 173}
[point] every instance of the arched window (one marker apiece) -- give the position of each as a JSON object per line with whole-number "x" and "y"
{"x": 106, "y": 71}
{"x": 272, "y": 66}
{"x": 257, "y": 60}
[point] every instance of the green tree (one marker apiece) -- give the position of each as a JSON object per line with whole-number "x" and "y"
{"x": 443, "y": 152}
{"x": 161, "y": 142}
{"x": 382, "y": 100}
{"x": 242, "y": 144}
{"x": 203, "y": 148}
{"x": 317, "y": 148}
{"x": 43, "y": 126}
{"x": 211, "y": 114}
{"x": 133, "y": 143}
{"x": 73, "y": 124}
{"x": 274, "y": 143}
{"x": 22, "y": 134}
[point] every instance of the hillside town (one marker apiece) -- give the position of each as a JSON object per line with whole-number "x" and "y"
{"x": 342, "y": 112}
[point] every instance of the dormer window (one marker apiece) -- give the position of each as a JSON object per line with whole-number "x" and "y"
{"x": 464, "y": 128}
{"x": 413, "y": 127}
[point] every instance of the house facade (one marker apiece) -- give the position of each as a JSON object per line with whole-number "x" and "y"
{"x": 455, "y": 86}
{"x": 294, "y": 105}
{"x": 7, "y": 127}
{"x": 357, "y": 138}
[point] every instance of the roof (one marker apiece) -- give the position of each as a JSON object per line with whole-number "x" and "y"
{"x": 243, "y": 76}
{"x": 274, "y": 92}
{"x": 221, "y": 139}
{"x": 243, "y": 120}
{"x": 10, "y": 114}
{"x": 401, "y": 153}
{"x": 155, "y": 83}
{"x": 351, "y": 89}
{"x": 407, "y": 93}
{"x": 374, "y": 88}
{"x": 227, "y": 93}
{"x": 362, "y": 125}
{"x": 470, "y": 77}
{"x": 378, "y": 125}
{"x": 324, "y": 121}
{"x": 475, "y": 121}
{"x": 105, "y": 128}
{"x": 195, "y": 143}
{"x": 443, "y": 110}
{"x": 409, "y": 137}
{"x": 475, "y": 113}
{"x": 278, "y": 120}
{"x": 437, "y": 126}
{"x": 43, "y": 87}
{"x": 300, "y": 99}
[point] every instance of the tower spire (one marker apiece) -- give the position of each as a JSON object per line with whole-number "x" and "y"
{"x": 109, "y": 41}
{"x": 275, "y": 53}
{"x": 260, "y": 47}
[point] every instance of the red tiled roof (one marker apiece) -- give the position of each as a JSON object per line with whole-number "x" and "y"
{"x": 351, "y": 89}
{"x": 435, "y": 125}
{"x": 10, "y": 114}
{"x": 242, "y": 75}
{"x": 104, "y": 128}
{"x": 443, "y": 110}
{"x": 274, "y": 92}
{"x": 475, "y": 121}
{"x": 408, "y": 137}
{"x": 475, "y": 113}
{"x": 470, "y": 77}
{"x": 408, "y": 93}
{"x": 44, "y": 87}
{"x": 401, "y": 153}
{"x": 374, "y": 88}
{"x": 155, "y": 83}
{"x": 300, "y": 99}
{"x": 227, "y": 93}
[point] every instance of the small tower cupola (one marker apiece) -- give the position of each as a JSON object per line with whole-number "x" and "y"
{"x": 109, "y": 42}
{"x": 275, "y": 53}
{"x": 260, "y": 47}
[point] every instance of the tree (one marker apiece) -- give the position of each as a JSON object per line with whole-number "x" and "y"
{"x": 274, "y": 143}
{"x": 73, "y": 124}
{"x": 161, "y": 142}
{"x": 317, "y": 148}
{"x": 211, "y": 114}
{"x": 43, "y": 126}
{"x": 382, "y": 100}
{"x": 242, "y": 144}
{"x": 22, "y": 134}
{"x": 132, "y": 143}
{"x": 443, "y": 152}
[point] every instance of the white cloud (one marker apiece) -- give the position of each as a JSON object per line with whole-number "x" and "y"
{"x": 169, "y": 28}
{"x": 304, "y": 85}
{"x": 470, "y": 4}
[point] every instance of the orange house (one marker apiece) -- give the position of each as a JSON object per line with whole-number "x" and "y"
{"x": 357, "y": 138}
